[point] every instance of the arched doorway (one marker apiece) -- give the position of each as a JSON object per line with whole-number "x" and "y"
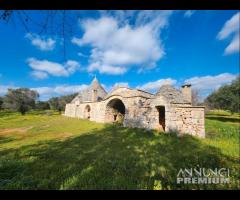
{"x": 115, "y": 111}
{"x": 87, "y": 112}
{"x": 161, "y": 118}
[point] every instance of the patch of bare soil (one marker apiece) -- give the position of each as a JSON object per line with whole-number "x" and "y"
{"x": 65, "y": 135}
{"x": 45, "y": 126}
{"x": 11, "y": 130}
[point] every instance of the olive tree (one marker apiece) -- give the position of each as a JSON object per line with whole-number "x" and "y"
{"x": 20, "y": 100}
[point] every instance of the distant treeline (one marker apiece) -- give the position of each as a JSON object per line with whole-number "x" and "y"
{"x": 24, "y": 99}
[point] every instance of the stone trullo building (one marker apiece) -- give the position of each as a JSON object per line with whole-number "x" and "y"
{"x": 167, "y": 110}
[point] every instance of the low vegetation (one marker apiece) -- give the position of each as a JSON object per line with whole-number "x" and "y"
{"x": 44, "y": 150}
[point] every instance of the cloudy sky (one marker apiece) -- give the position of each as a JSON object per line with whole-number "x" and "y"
{"x": 138, "y": 49}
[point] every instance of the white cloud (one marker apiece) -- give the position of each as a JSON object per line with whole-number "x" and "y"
{"x": 42, "y": 43}
{"x": 48, "y": 92}
{"x": 106, "y": 69}
{"x": 71, "y": 66}
{"x": 39, "y": 74}
{"x": 155, "y": 85}
{"x": 109, "y": 88}
{"x": 69, "y": 89}
{"x": 204, "y": 84}
{"x": 82, "y": 55}
{"x": 154, "y": 18}
{"x": 233, "y": 47}
{"x": 231, "y": 26}
{"x": 189, "y": 13}
{"x": 116, "y": 46}
{"x": 43, "y": 68}
{"x": 122, "y": 16}
{"x": 231, "y": 29}
{"x": 207, "y": 84}
{"x": 119, "y": 84}
{"x": 4, "y": 89}
{"x": 60, "y": 90}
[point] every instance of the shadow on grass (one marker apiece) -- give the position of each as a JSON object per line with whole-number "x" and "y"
{"x": 5, "y": 140}
{"x": 110, "y": 158}
{"x": 224, "y": 119}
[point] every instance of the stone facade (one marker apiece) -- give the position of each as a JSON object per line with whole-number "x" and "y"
{"x": 167, "y": 110}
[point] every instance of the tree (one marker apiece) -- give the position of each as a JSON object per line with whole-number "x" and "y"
{"x": 1, "y": 102}
{"x": 57, "y": 23}
{"x": 54, "y": 104}
{"x": 226, "y": 97}
{"x": 42, "y": 105}
{"x": 20, "y": 100}
{"x": 59, "y": 103}
{"x": 195, "y": 98}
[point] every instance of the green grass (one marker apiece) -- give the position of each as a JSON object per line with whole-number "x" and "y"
{"x": 43, "y": 150}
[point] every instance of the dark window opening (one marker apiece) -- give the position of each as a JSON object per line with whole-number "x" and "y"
{"x": 99, "y": 98}
{"x": 87, "y": 112}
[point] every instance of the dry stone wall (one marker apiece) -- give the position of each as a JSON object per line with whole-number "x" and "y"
{"x": 190, "y": 120}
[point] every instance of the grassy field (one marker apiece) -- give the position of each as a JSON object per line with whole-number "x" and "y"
{"x": 43, "y": 150}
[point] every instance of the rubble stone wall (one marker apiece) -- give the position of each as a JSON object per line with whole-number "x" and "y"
{"x": 141, "y": 111}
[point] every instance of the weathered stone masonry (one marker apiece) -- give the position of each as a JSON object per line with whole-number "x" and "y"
{"x": 167, "y": 110}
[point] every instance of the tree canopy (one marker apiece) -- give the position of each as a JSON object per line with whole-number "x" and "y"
{"x": 20, "y": 100}
{"x": 42, "y": 105}
{"x": 59, "y": 103}
{"x": 226, "y": 97}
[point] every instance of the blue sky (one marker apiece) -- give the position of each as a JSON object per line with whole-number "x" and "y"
{"x": 138, "y": 49}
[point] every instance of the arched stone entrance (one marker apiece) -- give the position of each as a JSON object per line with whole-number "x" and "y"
{"x": 87, "y": 111}
{"x": 115, "y": 111}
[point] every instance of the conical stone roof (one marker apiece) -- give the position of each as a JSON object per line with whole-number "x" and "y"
{"x": 95, "y": 84}
{"x": 86, "y": 94}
